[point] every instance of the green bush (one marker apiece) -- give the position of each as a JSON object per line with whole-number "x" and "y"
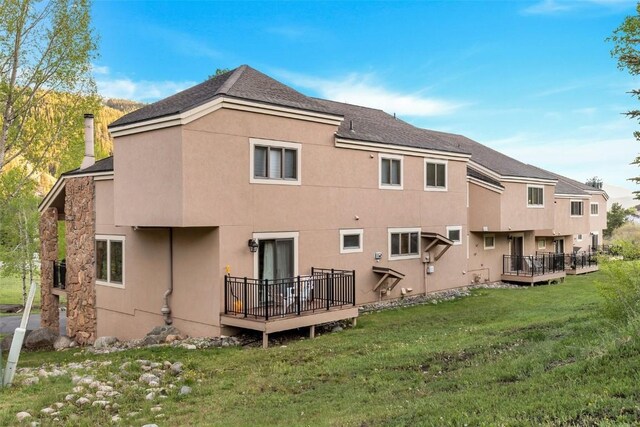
{"x": 620, "y": 288}
{"x": 628, "y": 250}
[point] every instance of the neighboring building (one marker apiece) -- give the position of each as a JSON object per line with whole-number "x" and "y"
{"x": 242, "y": 203}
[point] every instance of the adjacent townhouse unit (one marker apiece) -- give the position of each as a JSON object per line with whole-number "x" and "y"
{"x": 242, "y": 203}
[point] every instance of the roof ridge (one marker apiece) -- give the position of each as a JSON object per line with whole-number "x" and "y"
{"x": 231, "y": 80}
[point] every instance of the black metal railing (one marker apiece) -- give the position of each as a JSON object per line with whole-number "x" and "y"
{"x": 323, "y": 289}
{"x": 59, "y": 275}
{"x": 601, "y": 249}
{"x": 532, "y": 265}
{"x": 583, "y": 259}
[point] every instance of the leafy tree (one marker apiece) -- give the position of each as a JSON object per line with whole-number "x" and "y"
{"x": 46, "y": 49}
{"x": 626, "y": 44}
{"x": 218, "y": 72}
{"x": 616, "y": 217}
{"x": 19, "y": 229}
{"x": 594, "y": 182}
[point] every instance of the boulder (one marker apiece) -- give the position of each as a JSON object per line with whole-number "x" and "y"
{"x": 163, "y": 331}
{"x": 41, "y": 339}
{"x": 151, "y": 340}
{"x": 5, "y": 344}
{"x": 62, "y": 342}
{"x": 105, "y": 342}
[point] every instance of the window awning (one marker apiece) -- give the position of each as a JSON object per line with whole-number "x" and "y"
{"x": 387, "y": 273}
{"x": 435, "y": 239}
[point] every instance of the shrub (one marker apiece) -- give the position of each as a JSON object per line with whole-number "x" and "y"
{"x": 620, "y": 288}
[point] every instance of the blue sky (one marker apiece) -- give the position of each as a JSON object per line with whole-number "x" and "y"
{"x": 534, "y": 80}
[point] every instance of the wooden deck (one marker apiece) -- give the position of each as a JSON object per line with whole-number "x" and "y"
{"x": 532, "y": 280}
{"x": 289, "y": 321}
{"x": 583, "y": 270}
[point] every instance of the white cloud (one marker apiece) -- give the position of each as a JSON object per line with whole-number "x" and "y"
{"x": 99, "y": 69}
{"x": 578, "y": 158}
{"x": 546, "y": 7}
{"x": 554, "y": 7}
{"x": 361, "y": 89}
{"x": 143, "y": 90}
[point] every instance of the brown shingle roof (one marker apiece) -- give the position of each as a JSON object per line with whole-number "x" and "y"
{"x": 104, "y": 165}
{"x": 244, "y": 83}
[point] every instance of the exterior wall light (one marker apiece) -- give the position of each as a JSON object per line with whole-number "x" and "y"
{"x": 253, "y": 245}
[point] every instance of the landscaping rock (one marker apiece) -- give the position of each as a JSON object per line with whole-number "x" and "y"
{"x": 41, "y": 339}
{"x": 82, "y": 401}
{"x": 151, "y": 340}
{"x": 21, "y": 416}
{"x": 164, "y": 331}
{"x": 48, "y": 411}
{"x": 185, "y": 389}
{"x": 176, "y": 368}
{"x": 105, "y": 342}
{"x": 30, "y": 381}
{"x": 149, "y": 378}
{"x": 62, "y": 343}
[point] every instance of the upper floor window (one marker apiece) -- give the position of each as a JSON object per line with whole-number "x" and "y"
{"x": 542, "y": 244}
{"x": 274, "y": 162}
{"x": 404, "y": 243}
{"x": 454, "y": 233}
{"x": 110, "y": 260}
{"x": 435, "y": 175}
{"x": 577, "y": 208}
{"x": 391, "y": 171}
{"x": 595, "y": 209}
{"x": 351, "y": 240}
{"x": 535, "y": 196}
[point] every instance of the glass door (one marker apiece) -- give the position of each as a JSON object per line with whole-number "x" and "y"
{"x": 275, "y": 264}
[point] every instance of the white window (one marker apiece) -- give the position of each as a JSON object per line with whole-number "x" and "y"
{"x": 489, "y": 241}
{"x": 435, "y": 175}
{"x": 110, "y": 260}
{"x": 274, "y": 162}
{"x": 351, "y": 241}
{"x": 390, "y": 171}
{"x": 577, "y": 207}
{"x": 542, "y": 244}
{"x": 595, "y": 209}
{"x": 535, "y": 196}
{"x": 454, "y": 233}
{"x": 578, "y": 237}
{"x": 404, "y": 243}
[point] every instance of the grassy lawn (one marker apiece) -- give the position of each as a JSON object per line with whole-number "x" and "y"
{"x": 11, "y": 292}
{"x": 533, "y": 356}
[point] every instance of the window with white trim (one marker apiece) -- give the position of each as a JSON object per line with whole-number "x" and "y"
{"x": 454, "y": 233}
{"x": 489, "y": 241}
{"x": 579, "y": 237}
{"x": 577, "y": 207}
{"x": 404, "y": 243}
{"x": 595, "y": 209}
{"x": 390, "y": 171}
{"x": 535, "y": 196}
{"x": 274, "y": 162}
{"x": 435, "y": 175}
{"x": 351, "y": 240}
{"x": 542, "y": 244}
{"x": 110, "y": 260}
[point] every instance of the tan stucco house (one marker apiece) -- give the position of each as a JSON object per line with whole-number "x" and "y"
{"x": 242, "y": 203}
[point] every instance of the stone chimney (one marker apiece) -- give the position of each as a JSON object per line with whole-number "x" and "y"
{"x": 89, "y": 156}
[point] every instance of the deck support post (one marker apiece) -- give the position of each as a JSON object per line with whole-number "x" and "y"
{"x": 265, "y": 340}
{"x": 354, "y": 322}
{"x": 312, "y": 331}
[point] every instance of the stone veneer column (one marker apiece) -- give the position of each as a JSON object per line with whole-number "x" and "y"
{"x": 50, "y": 315}
{"x": 79, "y": 211}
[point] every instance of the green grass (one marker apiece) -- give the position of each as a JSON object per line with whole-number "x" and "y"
{"x": 536, "y": 356}
{"x": 11, "y": 291}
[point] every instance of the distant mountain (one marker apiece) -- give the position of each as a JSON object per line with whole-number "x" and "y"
{"x": 123, "y": 105}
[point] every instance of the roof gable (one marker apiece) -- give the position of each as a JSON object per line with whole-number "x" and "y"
{"x": 243, "y": 83}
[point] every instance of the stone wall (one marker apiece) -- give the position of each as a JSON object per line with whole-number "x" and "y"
{"x": 50, "y": 316}
{"x": 80, "y": 237}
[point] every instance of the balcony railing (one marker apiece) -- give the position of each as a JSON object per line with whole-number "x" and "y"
{"x": 59, "y": 275}
{"x": 578, "y": 260}
{"x": 323, "y": 289}
{"x": 532, "y": 265}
